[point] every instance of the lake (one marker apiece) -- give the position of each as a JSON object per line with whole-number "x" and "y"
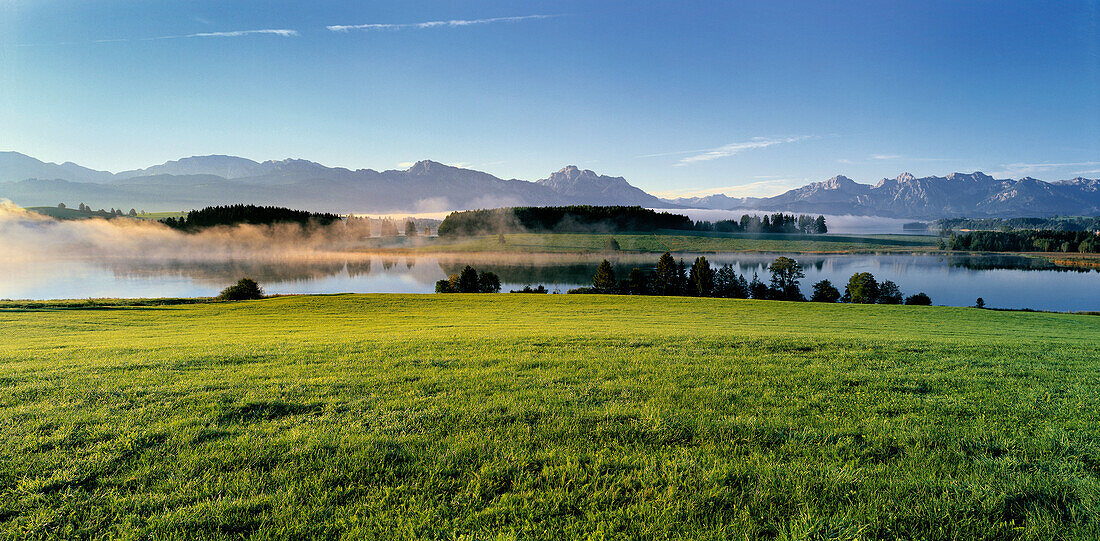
{"x": 956, "y": 280}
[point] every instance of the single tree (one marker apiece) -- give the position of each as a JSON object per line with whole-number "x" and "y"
{"x": 979, "y": 303}
{"x": 410, "y": 228}
{"x": 488, "y": 282}
{"x": 500, "y": 239}
{"x": 467, "y": 281}
{"x": 889, "y": 293}
{"x": 681, "y": 278}
{"x": 604, "y": 279}
{"x": 920, "y": 299}
{"x": 611, "y": 244}
{"x": 824, "y": 291}
{"x": 701, "y": 278}
{"x": 61, "y": 205}
{"x": 427, "y": 230}
{"x": 664, "y": 277}
{"x": 133, "y": 212}
{"x": 786, "y": 273}
{"x": 819, "y": 226}
{"x": 861, "y": 289}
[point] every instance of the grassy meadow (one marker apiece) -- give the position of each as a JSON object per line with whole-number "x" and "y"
{"x": 547, "y": 417}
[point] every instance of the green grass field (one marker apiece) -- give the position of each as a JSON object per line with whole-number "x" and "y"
{"x": 678, "y": 241}
{"x": 550, "y": 417}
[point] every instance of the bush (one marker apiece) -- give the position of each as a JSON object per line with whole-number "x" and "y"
{"x": 245, "y": 289}
{"x": 528, "y": 289}
{"x": 920, "y": 299}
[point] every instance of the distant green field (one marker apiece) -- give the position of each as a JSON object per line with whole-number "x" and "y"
{"x": 548, "y": 417}
{"x": 679, "y": 241}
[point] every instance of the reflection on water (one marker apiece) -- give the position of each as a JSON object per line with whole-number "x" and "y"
{"x": 1003, "y": 281}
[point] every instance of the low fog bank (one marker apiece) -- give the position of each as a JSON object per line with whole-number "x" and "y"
{"x": 847, "y": 223}
{"x": 25, "y": 234}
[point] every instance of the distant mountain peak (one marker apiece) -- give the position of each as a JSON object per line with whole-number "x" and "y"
{"x": 427, "y": 167}
{"x": 838, "y": 182}
{"x": 905, "y": 177}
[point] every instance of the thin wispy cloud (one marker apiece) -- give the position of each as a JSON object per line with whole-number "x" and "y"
{"x": 456, "y": 23}
{"x": 887, "y": 157}
{"x": 707, "y": 154}
{"x": 1014, "y": 170}
{"x": 238, "y": 33}
{"x": 281, "y": 32}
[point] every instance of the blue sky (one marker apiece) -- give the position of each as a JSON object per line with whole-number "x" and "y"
{"x": 747, "y": 98}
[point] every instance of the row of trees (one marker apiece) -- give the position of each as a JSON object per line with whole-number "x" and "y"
{"x": 387, "y": 227}
{"x": 671, "y": 277}
{"x": 1057, "y": 223}
{"x": 569, "y": 219}
{"x": 1025, "y": 241}
{"x": 469, "y": 280}
{"x": 247, "y": 214}
{"x": 608, "y": 219}
{"x": 775, "y": 223}
{"x": 113, "y": 212}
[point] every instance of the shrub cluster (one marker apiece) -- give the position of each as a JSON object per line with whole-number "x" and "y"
{"x": 469, "y": 280}
{"x": 245, "y": 289}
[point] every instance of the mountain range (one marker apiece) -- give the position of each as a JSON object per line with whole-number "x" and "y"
{"x": 429, "y": 186}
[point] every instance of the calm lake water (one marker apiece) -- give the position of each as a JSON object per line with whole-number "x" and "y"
{"x": 1004, "y": 282}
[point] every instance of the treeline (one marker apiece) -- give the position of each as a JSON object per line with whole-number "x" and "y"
{"x": 247, "y": 214}
{"x": 672, "y": 277}
{"x": 1025, "y": 241}
{"x": 613, "y": 219}
{"x": 1058, "y": 223}
{"x": 774, "y": 223}
{"x": 570, "y": 219}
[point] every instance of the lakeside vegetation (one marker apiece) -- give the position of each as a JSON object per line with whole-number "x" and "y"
{"x": 549, "y": 417}
{"x": 671, "y": 278}
{"x": 679, "y": 241}
{"x": 1085, "y": 242}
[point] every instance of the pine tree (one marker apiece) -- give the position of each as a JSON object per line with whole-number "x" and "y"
{"x": 604, "y": 280}
{"x": 664, "y": 278}
{"x": 702, "y": 278}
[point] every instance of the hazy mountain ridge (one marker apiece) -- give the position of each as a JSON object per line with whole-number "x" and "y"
{"x": 429, "y": 186}
{"x": 905, "y": 196}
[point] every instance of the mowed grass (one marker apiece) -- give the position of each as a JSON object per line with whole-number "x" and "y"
{"x": 548, "y": 417}
{"x": 680, "y": 242}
